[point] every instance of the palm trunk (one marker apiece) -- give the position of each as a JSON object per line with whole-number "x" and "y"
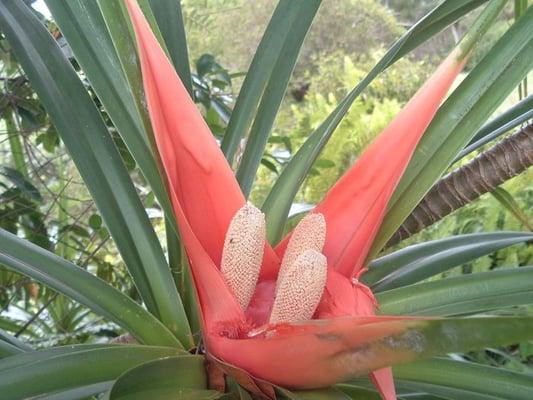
{"x": 481, "y": 175}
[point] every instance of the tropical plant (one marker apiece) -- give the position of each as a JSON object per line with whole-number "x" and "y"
{"x": 250, "y": 313}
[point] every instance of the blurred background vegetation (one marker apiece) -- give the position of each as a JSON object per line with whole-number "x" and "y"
{"x": 43, "y": 199}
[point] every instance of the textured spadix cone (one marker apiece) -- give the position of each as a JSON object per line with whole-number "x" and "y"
{"x": 344, "y": 339}
{"x": 302, "y": 276}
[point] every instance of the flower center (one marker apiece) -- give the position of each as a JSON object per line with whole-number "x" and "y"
{"x": 303, "y": 271}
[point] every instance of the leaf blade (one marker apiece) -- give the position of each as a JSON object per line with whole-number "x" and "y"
{"x": 159, "y": 379}
{"x": 514, "y": 116}
{"x": 92, "y": 149}
{"x": 78, "y": 21}
{"x": 81, "y": 286}
{"x": 458, "y": 119}
{"x": 506, "y": 200}
{"x": 472, "y": 293}
{"x": 414, "y": 263}
{"x": 78, "y": 367}
{"x": 169, "y": 18}
{"x": 258, "y": 74}
{"x": 448, "y": 375}
{"x": 273, "y": 94}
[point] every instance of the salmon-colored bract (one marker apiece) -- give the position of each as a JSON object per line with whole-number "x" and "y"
{"x": 344, "y": 338}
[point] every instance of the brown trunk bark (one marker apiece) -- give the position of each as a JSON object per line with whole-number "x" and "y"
{"x": 482, "y": 174}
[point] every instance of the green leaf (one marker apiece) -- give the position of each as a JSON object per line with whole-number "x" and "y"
{"x": 514, "y": 116}
{"x": 181, "y": 377}
{"x": 84, "y": 27}
{"x": 506, "y": 199}
{"x": 442, "y": 16}
{"x": 120, "y": 30}
{"x": 169, "y": 18}
{"x": 458, "y": 119}
{"x": 274, "y": 92}
{"x": 71, "y": 367}
{"x": 7, "y": 349}
{"x": 79, "y": 393}
{"x": 318, "y": 394}
{"x": 415, "y": 263}
{"x": 119, "y": 26}
{"x": 9, "y": 325}
{"x": 357, "y": 392}
{"x": 277, "y": 205}
{"x": 464, "y": 380}
{"x": 92, "y": 149}
{"x": 172, "y": 394}
{"x": 462, "y": 294}
{"x": 28, "y": 358}
{"x": 12, "y": 340}
{"x": 95, "y": 221}
{"x": 260, "y": 72}
{"x": 81, "y": 20}
{"x": 78, "y": 284}
{"x": 183, "y": 280}
{"x": 22, "y": 183}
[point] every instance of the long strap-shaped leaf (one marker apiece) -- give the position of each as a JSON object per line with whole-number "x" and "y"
{"x": 279, "y": 200}
{"x": 325, "y": 394}
{"x": 115, "y": 17}
{"x": 78, "y": 393}
{"x": 472, "y": 293}
{"x": 7, "y": 349}
{"x": 366, "y": 391}
{"x": 80, "y": 20}
{"x": 260, "y": 71}
{"x": 510, "y": 114}
{"x": 464, "y": 380}
{"x": 507, "y": 200}
{"x": 6, "y": 337}
{"x": 120, "y": 30}
{"x": 458, "y": 119}
{"x": 43, "y": 354}
{"x": 421, "y": 261}
{"x": 82, "y": 24}
{"x": 168, "y": 378}
{"x": 78, "y": 284}
{"x": 273, "y": 94}
{"x": 74, "y": 366}
{"x": 92, "y": 149}
{"x": 514, "y": 116}
{"x": 169, "y": 18}
{"x": 13, "y": 326}
{"x": 444, "y": 378}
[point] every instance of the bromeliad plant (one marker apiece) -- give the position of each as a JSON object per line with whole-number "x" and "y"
{"x": 276, "y": 315}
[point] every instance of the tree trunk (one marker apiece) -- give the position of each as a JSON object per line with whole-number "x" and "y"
{"x": 482, "y": 174}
